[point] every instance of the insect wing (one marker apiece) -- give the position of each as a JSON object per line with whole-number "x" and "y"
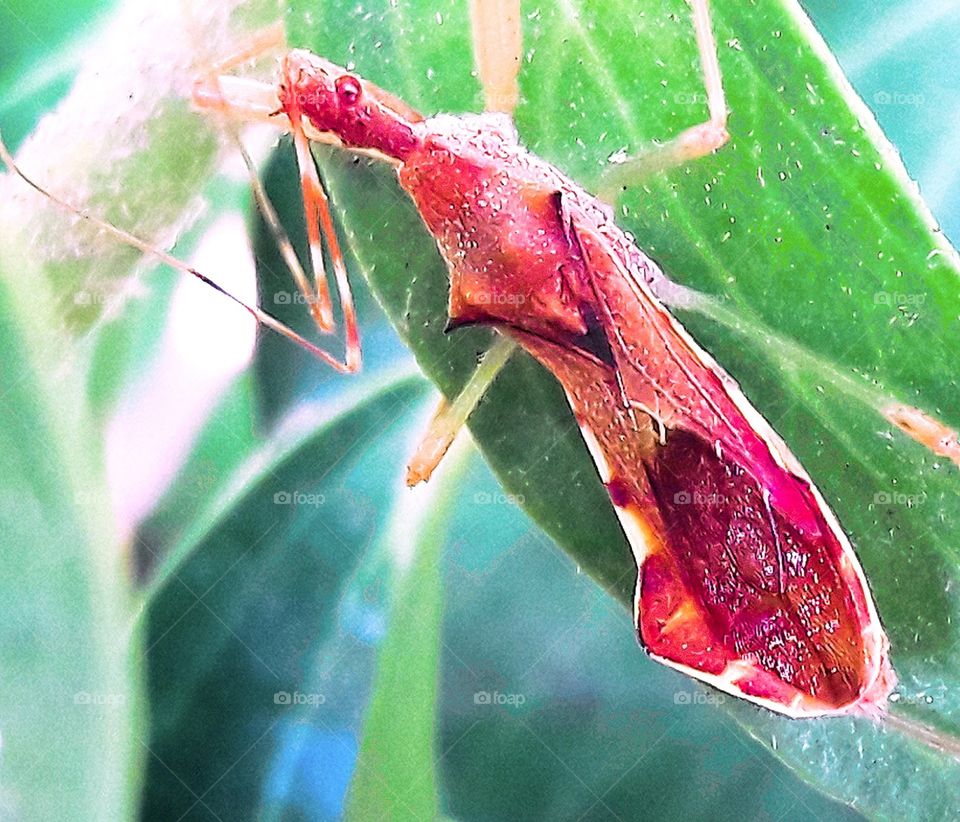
{"x": 746, "y": 580}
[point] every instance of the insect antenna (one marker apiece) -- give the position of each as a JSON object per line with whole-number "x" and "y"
{"x": 262, "y": 317}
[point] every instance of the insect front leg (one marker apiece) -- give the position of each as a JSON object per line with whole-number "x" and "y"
{"x": 692, "y": 143}
{"x": 241, "y": 98}
{"x": 237, "y": 99}
{"x": 316, "y": 209}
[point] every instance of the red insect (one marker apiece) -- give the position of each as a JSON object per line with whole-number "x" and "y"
{"x": 745, "y": 579}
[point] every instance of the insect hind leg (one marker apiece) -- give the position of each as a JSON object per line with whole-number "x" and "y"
{"x": 692, "y": 143}
{"x": 497, "y": 48}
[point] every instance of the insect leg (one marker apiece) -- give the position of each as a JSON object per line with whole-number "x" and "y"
{"x": 266, "y": 40}
{"x": 262, "y": 317}
{"x": 316, "y": 210}
{"x": 497, "y": 47}
{"x": 450, "y": 417}
{"x": 323, "y": 321}
{"x": 240, "y": 99}
{"x": 696, "y": 141}
{"x": 236, "y": 96}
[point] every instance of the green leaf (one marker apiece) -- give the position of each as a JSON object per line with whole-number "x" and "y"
{"x": 70, "y": 694}
{"x": 74, "y": 719}
{"x": 837, "y": 295}
{"x": 242, "y": 615}
{"x": 396, "y": 775}
{"x": 110, "y": 147}
{"x": 223, "y": 445}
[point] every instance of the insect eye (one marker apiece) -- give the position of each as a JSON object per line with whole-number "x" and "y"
{"x": 348, "y": 89}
